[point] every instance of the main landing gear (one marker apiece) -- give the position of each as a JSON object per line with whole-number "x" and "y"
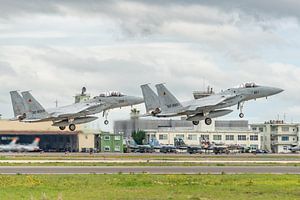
{"x": 208, "y": 121}
{"x": 195, "y": 123}
{"x": 72, "y": 127}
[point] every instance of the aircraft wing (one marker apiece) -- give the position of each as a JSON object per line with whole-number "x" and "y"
{"x": 210, "y": 101}
{"x": 74, "y": 110}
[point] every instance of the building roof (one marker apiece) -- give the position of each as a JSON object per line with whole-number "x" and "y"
{"x": 13, "y": 127}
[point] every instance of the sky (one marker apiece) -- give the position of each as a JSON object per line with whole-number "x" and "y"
{"x": 54, "y": 48}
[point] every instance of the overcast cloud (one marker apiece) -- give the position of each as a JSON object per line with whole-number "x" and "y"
{"x": 55, "y": 47}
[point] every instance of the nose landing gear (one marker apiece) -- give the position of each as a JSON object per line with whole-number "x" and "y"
{"x": 240, "y": 107}
{"x": 105, "y": 114}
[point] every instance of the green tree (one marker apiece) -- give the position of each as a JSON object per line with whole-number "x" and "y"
{"x": 139, "y": 136}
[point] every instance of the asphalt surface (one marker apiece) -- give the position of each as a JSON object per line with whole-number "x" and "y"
{"x": 150, "y": 170}
{"x": 296, "y": 155}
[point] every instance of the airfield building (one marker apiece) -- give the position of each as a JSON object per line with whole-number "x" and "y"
{"x": 230, "y": 132}
{"x": 278, "y": 136}
{"x": 52, "y": 139}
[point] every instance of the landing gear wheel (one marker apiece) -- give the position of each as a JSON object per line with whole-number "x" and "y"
{"x": 241, "y": 115}
{"x": 106, "y": 122}
{"x": 195, "y": 123}
{"x": 62, "y": 128}
{"x": 72, "y": 127}
{"x": 208, "y": 121}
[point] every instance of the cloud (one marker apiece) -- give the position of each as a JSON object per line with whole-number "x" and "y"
{"x": 56, "y": 47}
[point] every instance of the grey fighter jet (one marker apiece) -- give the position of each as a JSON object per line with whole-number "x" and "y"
{"x": 165, "y": 104}
{"x": 8, "y": 147}
{"x": 28, "y": 109}
{"x": 33, "y": 147}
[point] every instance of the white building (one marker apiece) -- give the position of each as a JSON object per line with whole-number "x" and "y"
{"x": 220, "y": 132}
{"x": 277, "y": 136}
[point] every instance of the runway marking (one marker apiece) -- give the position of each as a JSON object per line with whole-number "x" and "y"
{"x": 156, "y": 161}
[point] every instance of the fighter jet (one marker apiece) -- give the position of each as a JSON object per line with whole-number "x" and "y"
{"x": 165, "y": 104}
{"x": 10, "y": 146}
{"x": 33, "y": 147}
{"x": 28, "y": 109}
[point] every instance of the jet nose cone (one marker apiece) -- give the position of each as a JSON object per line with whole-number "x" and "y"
{"x": 276, "y": 90}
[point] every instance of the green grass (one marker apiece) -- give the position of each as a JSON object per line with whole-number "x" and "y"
{"x": 144, "y": 186}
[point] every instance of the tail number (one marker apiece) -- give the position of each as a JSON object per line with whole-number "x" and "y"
{"x": 38, "y": 111}
{"x": 173, "y": 105}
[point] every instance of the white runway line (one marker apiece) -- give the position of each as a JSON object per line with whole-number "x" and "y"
{"x": 156, "y": 161}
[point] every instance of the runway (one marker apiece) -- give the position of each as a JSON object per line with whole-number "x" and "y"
{"x": 150, "y": 170}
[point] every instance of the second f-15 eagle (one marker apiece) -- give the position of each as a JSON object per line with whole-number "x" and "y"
{"x": 28, "y": 109}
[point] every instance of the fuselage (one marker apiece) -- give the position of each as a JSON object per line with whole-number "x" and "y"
{"x": 231, "y": 96}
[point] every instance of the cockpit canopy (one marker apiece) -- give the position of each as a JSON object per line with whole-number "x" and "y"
{"x": 248, "y": 85}
{"x": 111, "y": 94}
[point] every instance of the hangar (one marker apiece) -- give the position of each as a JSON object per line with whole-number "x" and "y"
{"x": 52, "y": 139}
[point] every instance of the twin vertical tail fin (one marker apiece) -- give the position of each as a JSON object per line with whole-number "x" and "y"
{"x": 19, "y": 106}
{"x": 168, "y": 101}
{"x": 35, "y": 109}
{"x": 151, "y": 99}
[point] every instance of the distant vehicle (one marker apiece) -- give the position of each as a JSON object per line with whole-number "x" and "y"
{"x": 295, "y": 149}
{"x": 165, "y": 104}
{"x": 180, "y": 144}
{"x": 28, "y": 109}
{"x": 260, "y": 151}
{"x": 10, "y": 146}
{"x": 134, "y": 147}
{"x": 162, "y": 148}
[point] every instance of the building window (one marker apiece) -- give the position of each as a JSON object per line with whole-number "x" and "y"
{"x": 261, "y": 129}
{"x": 242, "y": 137}
{"x": 229, "y": 137}
{"x": 204, "y": 137}
{"x": 254, "y": 137}
{"x": 180, "y": 136}
{"x": 192, "y": 137}
{"x": 117, "y": 148}
{"x": 117, "y": 137}
{"x": 107, "y": 148}
{"x": 217, "y": 137}
{"x": 106, "y": 137}
{"x": 254, "y": 129}
{"x": 285, "y": 138}
{"x": 285, "y": 129}
{"x": 162, "y": 136}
